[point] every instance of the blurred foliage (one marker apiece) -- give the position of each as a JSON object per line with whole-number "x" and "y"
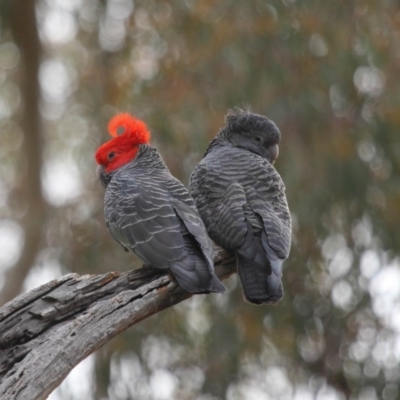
{"x": 328, "y": 74}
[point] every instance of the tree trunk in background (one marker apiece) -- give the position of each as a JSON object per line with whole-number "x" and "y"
{"x": 46, "y": 332}
{"x": 24, "y": 29}
{"x": 102, "y": 373}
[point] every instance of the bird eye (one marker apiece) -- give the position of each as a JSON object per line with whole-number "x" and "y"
{"x": 258, "y": 138}
{"x": 111, "y": 155}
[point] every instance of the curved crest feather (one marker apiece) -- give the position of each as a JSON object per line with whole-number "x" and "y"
{"x": 133, "y": 127}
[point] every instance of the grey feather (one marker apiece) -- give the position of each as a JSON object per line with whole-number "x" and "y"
{"x": 241, "y": 199}
{"x": 152, "y": 214}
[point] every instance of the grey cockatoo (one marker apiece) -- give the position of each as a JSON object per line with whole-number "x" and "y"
{"x": 241, "y": 199}
{"x": 149, "y": 212}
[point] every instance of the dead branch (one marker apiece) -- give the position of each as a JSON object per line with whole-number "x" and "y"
{"x": 46, "y": 332}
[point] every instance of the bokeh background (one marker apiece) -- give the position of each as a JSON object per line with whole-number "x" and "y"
{"x": 327, "y": 72}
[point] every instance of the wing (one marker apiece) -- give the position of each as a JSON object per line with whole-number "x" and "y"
{"x": 266, "y": 197}
{"x": 142, "y": 219}
{"x": 197, "y": 230}
{"x": 220, "y": 203}
{"x": 233, "y": 189}
{"x": 195, "y": 226}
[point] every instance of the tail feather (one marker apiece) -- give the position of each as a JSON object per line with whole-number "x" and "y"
{"x": 198, "y": 279}
{"x": 216, "y": 285}
{"x": 259, "y": 285}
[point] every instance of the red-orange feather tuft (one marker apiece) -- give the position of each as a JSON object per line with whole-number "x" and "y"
{"x": 133, "y": 127}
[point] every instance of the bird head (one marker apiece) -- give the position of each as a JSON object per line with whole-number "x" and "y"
{"x": 253, "y": 132}
{"x": 123, "y": 147}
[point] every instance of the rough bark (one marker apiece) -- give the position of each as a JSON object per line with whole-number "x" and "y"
{"x": 46, "y": 332}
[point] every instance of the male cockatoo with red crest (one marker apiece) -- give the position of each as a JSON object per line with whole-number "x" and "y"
{"x": 149, "y": 212}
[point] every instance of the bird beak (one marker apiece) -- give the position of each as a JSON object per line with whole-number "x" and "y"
{"x": 99, "y": 170}
{"x": 274, "y": 151}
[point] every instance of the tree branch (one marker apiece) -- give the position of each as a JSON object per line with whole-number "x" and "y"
{"x": 49, "y": 330}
